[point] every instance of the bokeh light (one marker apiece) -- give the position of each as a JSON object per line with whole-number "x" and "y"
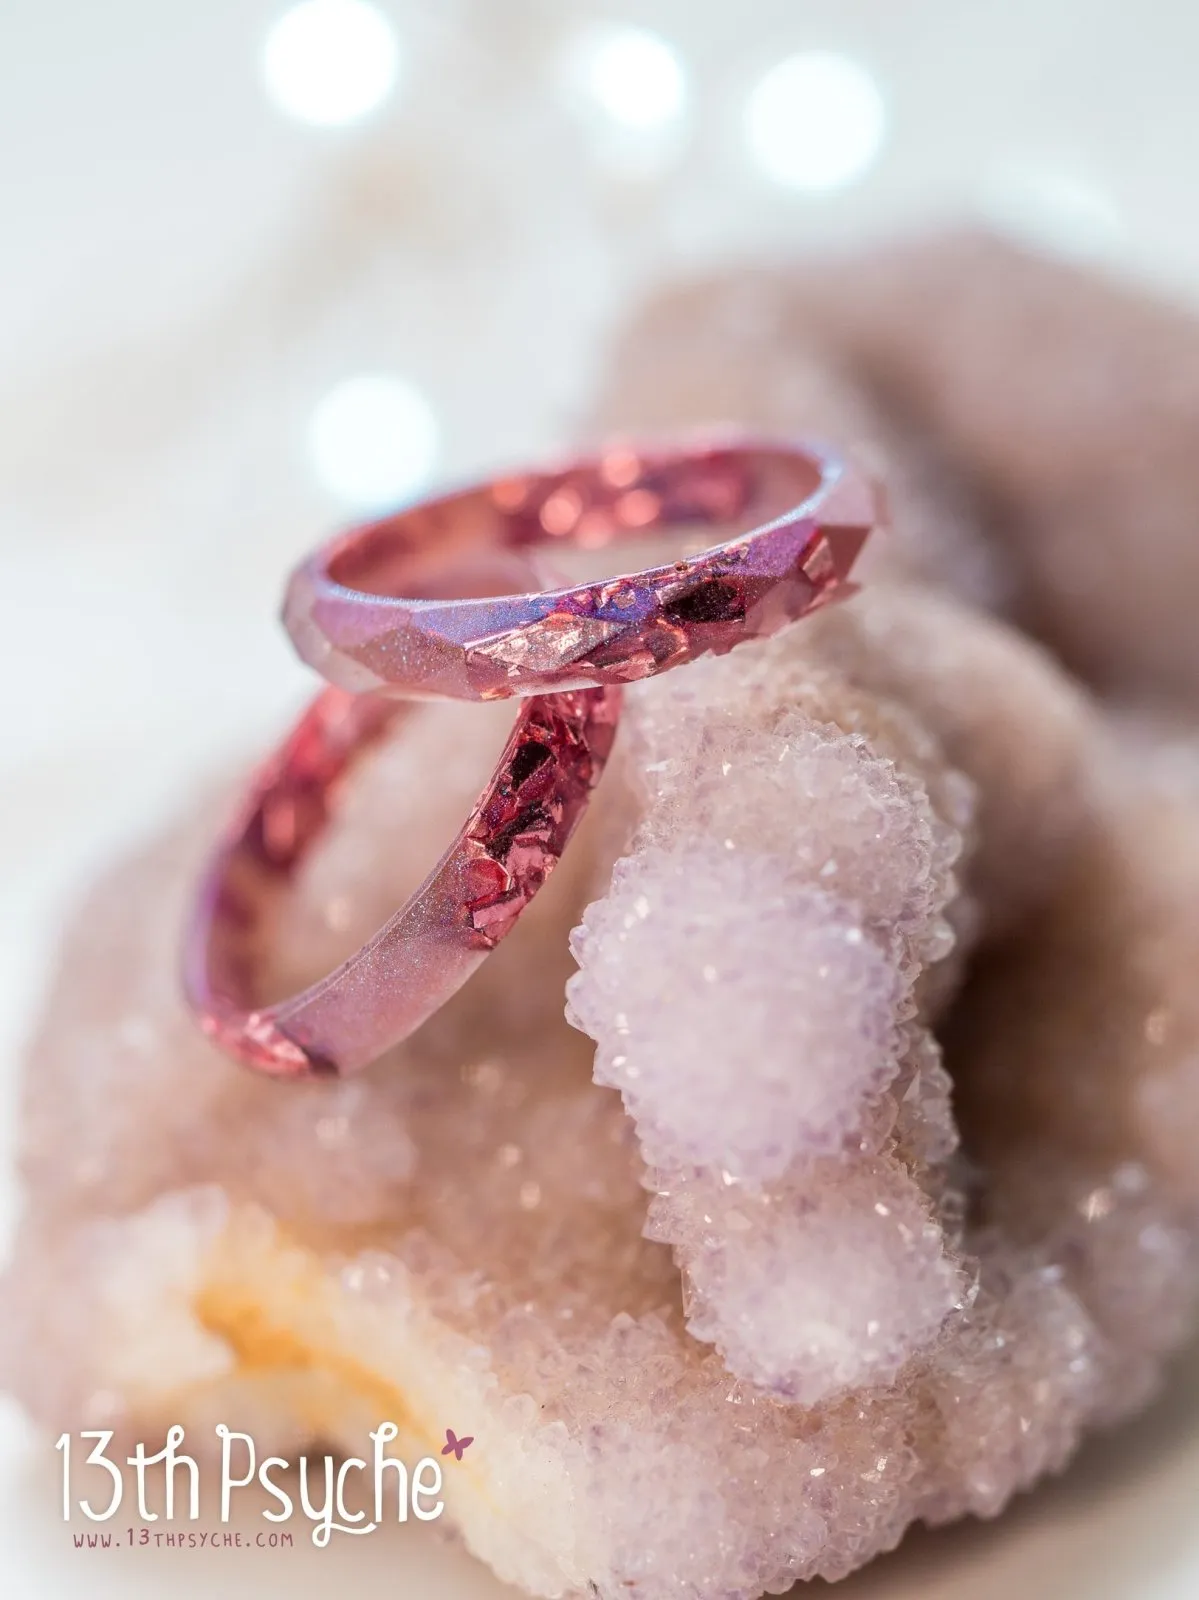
{"x": 627, "y": 90}
{"x": 815, "y": 121}
{"x": 633, "y": 76}
{"x": 330, "y": 61}
{"x": 374, "y": 440}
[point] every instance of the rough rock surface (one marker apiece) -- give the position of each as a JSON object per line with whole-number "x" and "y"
{"x": 863, "y": 1182}
{"x": 804, "y": 1290}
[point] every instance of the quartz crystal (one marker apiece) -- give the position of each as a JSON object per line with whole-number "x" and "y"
{"x": 867, "y": 1200}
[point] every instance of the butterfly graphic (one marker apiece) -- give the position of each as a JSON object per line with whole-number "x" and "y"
{"x": 455, "y": 1445}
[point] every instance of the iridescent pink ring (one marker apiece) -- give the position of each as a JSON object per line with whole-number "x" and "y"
{"x": 356, "y": 612}
{"x": 504, "y": 852}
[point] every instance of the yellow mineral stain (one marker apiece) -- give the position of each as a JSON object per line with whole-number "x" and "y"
{"x": 263, "y": 1346}
{"x": 272, "y": 1310}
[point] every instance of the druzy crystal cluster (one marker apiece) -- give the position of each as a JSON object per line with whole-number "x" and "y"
{"x": 850, "y": 1191}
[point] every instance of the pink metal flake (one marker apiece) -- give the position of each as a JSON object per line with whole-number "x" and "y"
{"x": 507, "y": 848}
{"x": 369, "y": 612}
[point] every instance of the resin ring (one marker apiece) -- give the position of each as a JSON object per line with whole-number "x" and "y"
{"x": 363, "y": 613}
{"x": 507, "y": 848}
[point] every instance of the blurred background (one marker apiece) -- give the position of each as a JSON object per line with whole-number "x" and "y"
{"x": 265, "y": 266}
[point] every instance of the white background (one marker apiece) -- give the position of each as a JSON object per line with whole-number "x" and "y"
{"x": 186, "y": 271}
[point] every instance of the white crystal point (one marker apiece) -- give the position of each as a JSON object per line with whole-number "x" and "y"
{"x": 746, "y": 1017}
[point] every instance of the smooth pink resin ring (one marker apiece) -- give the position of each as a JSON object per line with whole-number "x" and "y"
{"x": 363, "y": 613}
{"x": 505, "y": 851}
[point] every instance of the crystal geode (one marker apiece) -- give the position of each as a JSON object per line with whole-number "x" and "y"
{"x": 866, "y": 1201}
{"x": 863, "y": 1182}
{"x": 1035, "y": 423}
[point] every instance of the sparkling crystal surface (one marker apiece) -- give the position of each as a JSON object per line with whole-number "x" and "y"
{"x": 876, "y": 1206}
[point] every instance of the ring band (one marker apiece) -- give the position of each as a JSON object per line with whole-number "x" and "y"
{"x": 500, "y": 858}
{"x": 355, "y": 611}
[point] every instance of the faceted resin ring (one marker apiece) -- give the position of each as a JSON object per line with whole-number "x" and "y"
{"x": 362, "y": 612}
{"x": 508, "y": 846}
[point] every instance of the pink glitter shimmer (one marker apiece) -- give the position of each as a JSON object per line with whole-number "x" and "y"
{"x": 507, "y": 848}
{"x": 354, "y": 610}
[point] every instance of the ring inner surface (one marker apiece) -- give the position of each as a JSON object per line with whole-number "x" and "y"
{"x": 528, "y": 533}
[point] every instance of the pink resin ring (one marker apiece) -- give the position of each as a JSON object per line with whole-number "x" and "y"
{"x": 507, "y": 848}
{"x": 362, "y": 612}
